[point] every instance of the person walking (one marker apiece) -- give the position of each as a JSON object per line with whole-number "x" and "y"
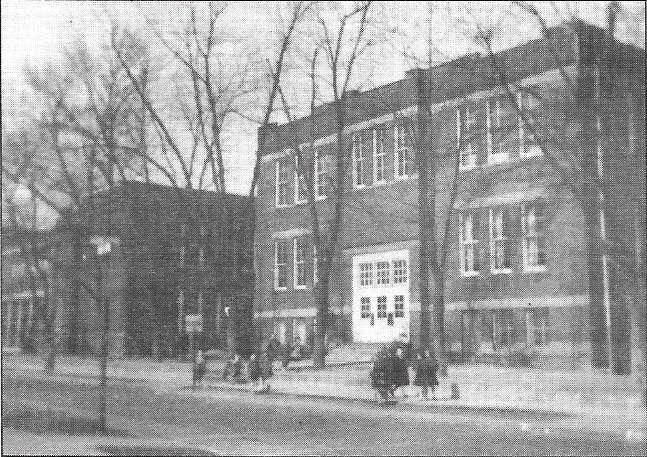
{"x": 254, "y": 372}
{"x": 199, "y": 368}
{"x": 265, "y": 372}
{"x": 423, "y": 373}
{"x": 400, "y": 371}
{"x": 433, "y": 372}
{"x": 380, "y": 375}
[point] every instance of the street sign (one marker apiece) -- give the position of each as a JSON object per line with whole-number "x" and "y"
{"x": 193, "y": 323}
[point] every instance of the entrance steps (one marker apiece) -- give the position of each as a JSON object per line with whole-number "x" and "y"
{"x": 352, "y": 353}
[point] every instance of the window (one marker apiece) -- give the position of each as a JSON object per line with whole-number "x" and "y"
{"x": 464, "y": 138}
{"x": 495, "y": 147}
{"x": 404, "y": 150}
{"x": 381, "y": 307}
{"x": 399, "y": 271}
{"x": 502, "y": 328}
{"x": 300, "y": 186}
{"x": 500, "y": 255}
{"x": 299, "y": 263}
{"x": 365, "y": 303}
{"x": 383, "y": 271}
{"x": 528, "y": 145}
{"x": 366, "y": 274}
{"x": 469, "y": 229}
{"x": 321, "y": 173}
{"x": 537, "y": 326}
{"x": 534, "y": 241}
{"x": 280, "y": 264}
{"x": 282, "y": 182}
{"x": 360, "y": 153}
{"x": 379, "y": 158}
{"x": 398, "y": 301}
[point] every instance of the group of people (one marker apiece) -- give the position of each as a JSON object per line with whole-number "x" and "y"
{"x": 391, "y": 372}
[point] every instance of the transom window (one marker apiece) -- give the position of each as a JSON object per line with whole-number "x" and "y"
{"x": 381, "y": 307}
{"x": 399, "y": 271}
{"x": 534, "y": 240}
{"x": 469, "y": 229}
{"x": 282, "y": 182}
{"x": 500, "y": 252}
{"x": 280, "y": 264}
{"x": 366, "y": 274}
{"x": 398, "y": 301}
{"x": 404, "y": 150}
{"x": 383, "y": 271}
{"x": 365, "y": 303}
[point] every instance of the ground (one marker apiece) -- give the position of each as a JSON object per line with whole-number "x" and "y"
{"x": 238, "y": 422}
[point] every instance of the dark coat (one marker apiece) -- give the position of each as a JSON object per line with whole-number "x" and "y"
{"x": 426, "y": 372}
{"x": 380, "y": 374}
{"x": 266, "y": 366}
{"x": 400, "y": 372}
{"x": 254, "y": 368}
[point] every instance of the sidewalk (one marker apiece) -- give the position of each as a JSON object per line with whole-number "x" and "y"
{"x": 596, "y": 395}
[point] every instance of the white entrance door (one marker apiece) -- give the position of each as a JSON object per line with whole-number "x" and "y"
{"x": 381, "y": 296}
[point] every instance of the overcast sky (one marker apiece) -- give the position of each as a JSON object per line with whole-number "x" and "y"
{"x": 34, "y": 32}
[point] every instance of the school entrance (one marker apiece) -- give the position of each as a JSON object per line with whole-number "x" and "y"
{"x": 381, "y": 297}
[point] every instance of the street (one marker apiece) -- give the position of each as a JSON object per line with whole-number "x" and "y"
{"x": 242, "y": 423}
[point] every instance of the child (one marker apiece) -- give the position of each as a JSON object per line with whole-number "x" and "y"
{"x": 199, "y": 368}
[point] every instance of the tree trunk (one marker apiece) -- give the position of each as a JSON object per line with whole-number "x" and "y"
{"x": 320, "y": 324}
{"x": 439, "y": 324}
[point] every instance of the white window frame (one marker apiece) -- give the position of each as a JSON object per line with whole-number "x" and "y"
{"x": 532, "y": 315}
{"x": 402, "y": 152}
{"x": 278, "y": 183}
{"x": 359, "y": 159}
{"x": 379, "y": 155}
{"x": 493, "y": 242}
{"x": 277, "y": 266}
{"x": 365, "y": 307}
{"x": 400, "y": 272}
{"x": 395, "y": 306}
{"x": 385, "y": 309}
{"x": 464, "y": 147}
{"x": 464, "y": 243}
{"x": 526, "y": 105}
{"x": 298, "y": 184}
{"x": 319, "y": 173}
{"x": 494, "y": 155}
{"x": 299, "y": 263}
{"x": 527, "y": 236}
{"x": 370, "y": 274}
{"x": 382, "y": 276}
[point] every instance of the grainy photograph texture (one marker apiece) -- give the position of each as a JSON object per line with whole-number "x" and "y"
{"x": 323, "y": 228}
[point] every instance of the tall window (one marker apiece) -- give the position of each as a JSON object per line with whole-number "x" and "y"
{"x": 534, "y": 240}
{"x": 469, "y": 229}
{"x": 280, "y": 264}
{"x": 383, "y": 273}
{"x": 282, "y": 182}
{"x": 537, "y": 326}
{"x": 321, "y": 174}
{"x": 404, "y": 150}
{"x": 500, "y": 255}
{"x": 360, "y": 165}
{"x": 528, "y": 144}
{"x": 379, "y": 157}
{"x": 366, "y": 274}
{"x": 300, "y": 187}
{"x": 465, "y": 141}
{"x": 495, "y": 146}
{"x": 502, "y": 328}
{"x": 299, "y": 263}
{"x": 400, "y": 271}
{"x": 365, "y": 310}
{"x": 381, "y": 307}
{"x": 398, "y": 303}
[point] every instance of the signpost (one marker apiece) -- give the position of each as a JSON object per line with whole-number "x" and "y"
{"x": 193, "y": 325}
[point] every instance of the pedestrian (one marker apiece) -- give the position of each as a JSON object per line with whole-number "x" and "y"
{"x": 266, "y": 372}
{"x": 199, "y": 368}
{"x": 400, "y": 371}
{"x": 423, "y": 373}
{"x": 233, "y": 369}
{"x": 254, "y": 372}
{"x": 433, "y": 372}
{"x": 286, "y": 352}
{"x": 380, "y": 375}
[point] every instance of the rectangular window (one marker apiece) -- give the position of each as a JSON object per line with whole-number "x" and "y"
{"x": 300, "y": 187}
{"x": 495, "y": 147}
{"x": 400, "y": 272}
{"x": 383, "y": 273}
{"x": 468, "y": 240}
{"x": 379, "y": 156}
{"x": 502, "y": 328}
{"x": 500, "y": 255}
{"x": 381, "y": 307}
{"x": 280, "y": 264}
{"x": 366, "y": 274}
{"x": 365, "y": 303}
{"x": 534, "y": 240}
{"x": 282, "y": 182}
{"x": 361, "y": 152}
{"x": 398, "y": 302}
{"x": 528, "y": 144}
{"x": 404, "y": 150}
{"x": 321, "y": 173}
{"x": 465, "y": 141}
{"x": 537, "y": 326}
{"x": 299, "y": 263}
